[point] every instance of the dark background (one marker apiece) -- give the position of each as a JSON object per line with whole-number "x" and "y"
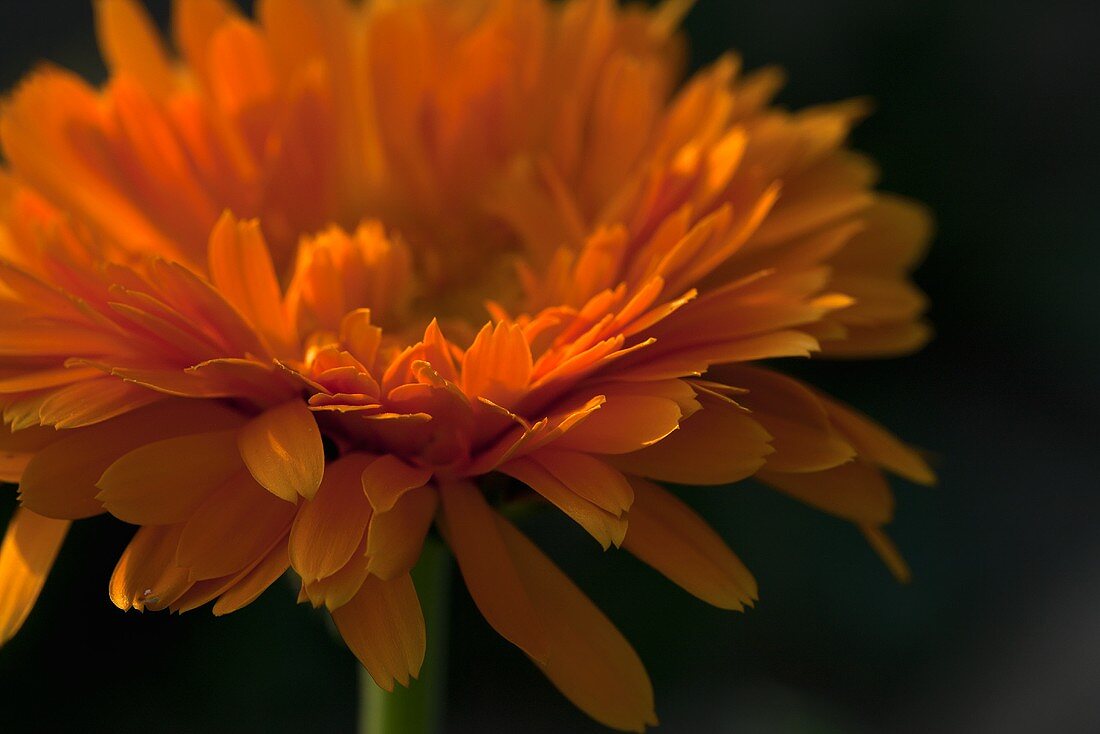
{"x": 986, "y": 112}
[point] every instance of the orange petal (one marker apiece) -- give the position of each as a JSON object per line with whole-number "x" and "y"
{"x": 336, "y": 590}
{"x": 803, "y": 437}
{"x": 498, "y": 365}
{"x": 589, "y": 660}
{"x": 163, "y": 482}
{"x": 854, "y": 491}
{"x": 884, "y": 340}
{"x": 384, "y": 626}
{"x": 131, "y": 44}
{"x": 720, "y": 444}
{"x": 589, "y": 477}
{"x": 331, "y": 526}
{"x": 607, "y": 528}
{"x": 245, "y": 591}
{"x": 93, "y": 401}
{"x": 60, "y": 480}
{"x": 238, "y": 523}
{"x": 245, "y": 76}
{"x": 396, "y": 536}
{"x": 30, "y": 546}
{"x": 283, "y": 450}
{"x": 194, "y": 22}
{"x": 888, "y": 552}
{"x": 241, "y": 268}
{"x": 146, "y": 574}
{"x": 623, "y": 424}
{"x": 668, "y": 535}
{"x": 470, "y": 528}
{"x": 17, "y": 448}
{"x": 895, "y": 235}
{"x": 388, "y": 478}
{"x": 877, "y": 445}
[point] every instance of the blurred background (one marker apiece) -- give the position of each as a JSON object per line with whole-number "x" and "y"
{"x": 987, "y": 112}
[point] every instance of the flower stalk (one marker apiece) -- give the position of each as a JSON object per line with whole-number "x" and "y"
{"x": 419, "y": 708}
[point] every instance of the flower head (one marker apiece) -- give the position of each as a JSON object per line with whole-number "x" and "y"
{"x": 281, "y": 298}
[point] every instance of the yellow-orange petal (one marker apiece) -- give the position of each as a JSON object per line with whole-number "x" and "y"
{"x": 855, "y": 491}
{"x": 30, "y": 546}
{"x": 282, "y": 449}
{"x": 162, "y": 483}
{"x": 146, "y": 575}
{"x": 668, "y": 535}
{"x": 384, "y": 626}
{"x": 233, "y": 527}
{"x": 388, "y": 478}
{"x": 395, "y": 537}
{"x": 720, "y": 444}
{"x": 589, "y": 660}
{"x": 469, "y": 526}
{"x": 329, "y": 527}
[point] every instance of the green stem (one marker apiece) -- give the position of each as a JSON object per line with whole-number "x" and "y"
{"x": 417, "y": 709}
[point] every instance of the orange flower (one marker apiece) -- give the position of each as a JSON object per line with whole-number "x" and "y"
{"x": 283, "y": 301}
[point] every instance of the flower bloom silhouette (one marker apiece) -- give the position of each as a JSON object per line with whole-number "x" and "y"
{"x": 283, "y": 297}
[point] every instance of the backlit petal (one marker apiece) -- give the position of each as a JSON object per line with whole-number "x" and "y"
{"x": 147, "y": 575}
{"x": 30, "y": 546}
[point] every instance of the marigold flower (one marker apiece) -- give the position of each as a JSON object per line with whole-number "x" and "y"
{"x": 282, "y": 299}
